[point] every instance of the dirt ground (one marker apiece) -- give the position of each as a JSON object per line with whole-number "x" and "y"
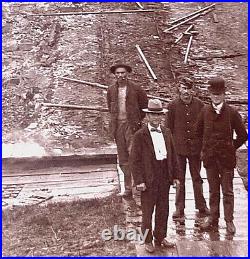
{"x": 38, "y": 50}
{"x": 64, "y": 229}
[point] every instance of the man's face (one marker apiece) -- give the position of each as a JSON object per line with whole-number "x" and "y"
{"x": 121, "y": 74}
{"x": 155, "y": 119}
{"x": 185, "y": 92}
{"x": 217, "y": 98}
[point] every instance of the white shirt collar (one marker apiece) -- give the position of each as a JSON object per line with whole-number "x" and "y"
{"x": 218, "y": 107}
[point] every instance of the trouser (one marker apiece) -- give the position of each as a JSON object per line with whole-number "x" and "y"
{"x": 124, "y": 138}
{"x": 195, "y": 167}
{"x": 217, "y": 177}
{"x": 156, "y": 196}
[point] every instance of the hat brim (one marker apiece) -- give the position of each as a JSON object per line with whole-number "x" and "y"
{"x": 152, "y": 111}
{"x": 113, "y": 68}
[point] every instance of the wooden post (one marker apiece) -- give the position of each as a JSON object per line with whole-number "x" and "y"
{"x": 146, "y": 62}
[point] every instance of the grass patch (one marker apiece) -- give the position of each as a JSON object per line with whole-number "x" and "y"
{"x": 64, "y": 229}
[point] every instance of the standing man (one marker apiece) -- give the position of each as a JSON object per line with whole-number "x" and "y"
{"x": 216, "y": 124}
{"x": 181, "y": 118}
{"x": 125, "y": 103}
{"x": 154, "y": 168}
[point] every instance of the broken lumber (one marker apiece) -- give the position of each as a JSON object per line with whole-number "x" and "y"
{"x": 219, "y": 56}
{"x": 140, "y": 5}
{"x": 188, "y": 20}
{"x": 186, "y": 31}
{"x": 106, "y": 87}
{"x": 100, "y": 12}
{"x": 77, "y": 107}
{"x": 146, "y": 62}
{"x": 191, "y": 14}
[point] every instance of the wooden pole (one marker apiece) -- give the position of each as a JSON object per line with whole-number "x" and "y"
{"x": 106, "y": 87}
{"x": 188, "y": 20}
{"x": 77, "y": 107}
{"x": 191, "y": 14}
{"x": 146, "y": 62}
{"x": 188, "y": 48}
{"x": 100, "y": 12}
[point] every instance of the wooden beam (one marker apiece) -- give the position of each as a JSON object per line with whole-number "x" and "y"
{"x": 188, "y": 20}
{"x": 188, "y": 49}
{"x": 140, "y": 5}
{"x": 77, "y": 107}
{"x": 191, "y": 14}
{"x": 106, "y": 87}
{"x": 100, "y": 12}
{"x": 186, "y": 31}
{"x": 146, "y": 62}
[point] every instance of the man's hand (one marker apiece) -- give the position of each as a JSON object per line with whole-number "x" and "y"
{"x": 176, "y": 182}
{"x": 141, "y": 187}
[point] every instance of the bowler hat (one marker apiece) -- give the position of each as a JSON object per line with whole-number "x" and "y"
{"x": 114, "y": 67}
{"x": 187, "y": 82}
{"x": 155, "y": 106}
{"x": 216, "y": 85}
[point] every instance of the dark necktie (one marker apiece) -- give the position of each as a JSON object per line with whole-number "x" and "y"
{"x": 155, "y": 130}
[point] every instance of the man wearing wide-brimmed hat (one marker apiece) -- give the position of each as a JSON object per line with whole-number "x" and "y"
{"x": 180, "y": 119}
{"x": 154, "y": 168}
{"x": 125, "y": 102}
{"x": 216, "y": 124}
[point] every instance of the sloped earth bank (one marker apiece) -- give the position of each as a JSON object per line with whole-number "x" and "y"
{"x": 37, "y": 50}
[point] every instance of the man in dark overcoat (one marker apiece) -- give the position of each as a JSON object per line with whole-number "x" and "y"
{"x": 216, "y": 124}
{"x": 125, "y": 103}
{"x": 154, "y": 168}
{"x": 180, "y": 119}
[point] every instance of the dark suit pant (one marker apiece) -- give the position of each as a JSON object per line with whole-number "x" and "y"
{"x": 155, "y": 197}
{"x": 195, "y": 167}
{"x": 220, "y": 177}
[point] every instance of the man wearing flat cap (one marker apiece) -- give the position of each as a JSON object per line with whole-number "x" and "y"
{"x": 154, "y": 168}
{"x": 125, "y": 103}
{"x": 180, "y": 119}
{"x": 216, "y": 124}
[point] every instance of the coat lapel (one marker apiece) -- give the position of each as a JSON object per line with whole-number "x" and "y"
{"x": 148, "y": 139}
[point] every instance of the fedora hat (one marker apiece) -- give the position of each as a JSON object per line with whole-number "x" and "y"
{"x": 155, "y": 106}
{"x": 114, "y": 67}
{"x": 217, "y": 85}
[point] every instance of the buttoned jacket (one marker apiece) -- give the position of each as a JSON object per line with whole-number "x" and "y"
{"x": 181, "y": 119}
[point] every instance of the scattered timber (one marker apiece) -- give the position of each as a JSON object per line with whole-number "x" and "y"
{"x": 146, "y": 62}
{"x": 75, "y": 107}
{"x": 191, "y": 14}
{"x": 106, "y": 87}
{"x": 140, "y": 5}
{"x": 188, "y": 49}
{"x": 185, "y": 32}
{"x": 219, "y": 56}
{"x": 100, "y": 12}
{"x": 188, "y": 20}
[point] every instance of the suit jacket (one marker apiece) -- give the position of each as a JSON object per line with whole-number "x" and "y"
{"x": 217, "y": 133}
{"x": 136, "y": 100}
{"x": 143, "y": 163}
{"x": 181, "y": 119}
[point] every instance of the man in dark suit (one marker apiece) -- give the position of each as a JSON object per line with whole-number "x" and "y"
{"x": 180, "y": 119}
{"x": 154, "y": 168}
{"x": 125, "y": 103}
{"x": 216, "y": 125}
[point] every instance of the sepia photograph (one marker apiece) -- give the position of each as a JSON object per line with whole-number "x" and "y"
{"x": 125, "y": 129}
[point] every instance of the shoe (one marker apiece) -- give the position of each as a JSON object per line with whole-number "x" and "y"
{"x": 209, "y": 224}
{"x": 164, "y": 243}
{"x": 204, "y": 211}
{"x": 231, "y": 227}
{"x": 125, "y": 194}
{"x": 178, "y": 214}
{"x": 149, "y": 247}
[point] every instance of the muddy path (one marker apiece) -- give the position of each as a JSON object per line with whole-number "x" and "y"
{"x": 37, "y": 51}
